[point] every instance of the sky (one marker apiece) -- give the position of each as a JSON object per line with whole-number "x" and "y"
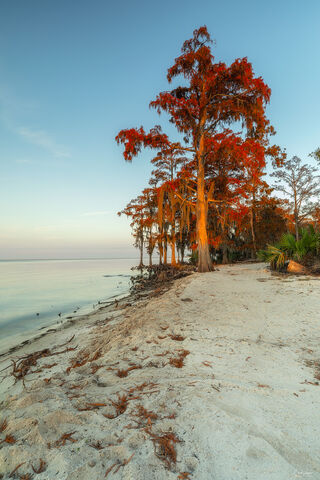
{"x": 72, "y": 74}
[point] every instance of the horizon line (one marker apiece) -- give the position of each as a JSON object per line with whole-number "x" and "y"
{"x": 75, "y": 258}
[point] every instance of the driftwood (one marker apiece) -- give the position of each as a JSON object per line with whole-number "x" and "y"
{"x": 22, "y": 366}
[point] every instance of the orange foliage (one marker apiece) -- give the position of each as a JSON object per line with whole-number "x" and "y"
{"x": 203, "y": 186}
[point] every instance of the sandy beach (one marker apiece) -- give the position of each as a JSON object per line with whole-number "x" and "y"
{"x": 218, "y": 378}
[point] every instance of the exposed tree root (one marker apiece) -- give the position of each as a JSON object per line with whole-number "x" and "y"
{"x": 158, "y": 278}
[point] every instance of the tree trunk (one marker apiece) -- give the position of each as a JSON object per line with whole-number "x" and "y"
{"x": 225, "y": 258}
{"x": 141, "y": 249}
{"x": 165, "y": 252}
{"x": 160, "y": 248}
{"x": 254, "y": 243}
{"x": 204, "y": 260}
{"x": 150, "y": 247}
{"x": 296, "y": 224}
{"x": 173, "y": 245}
{"x": 296, "y": 216}
{"x": 173, "y": 254}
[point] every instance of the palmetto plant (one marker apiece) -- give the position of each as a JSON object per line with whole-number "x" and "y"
{"x": 309, "y": 243}
{"x": 290, "y": 248}
{"x": 288, "y": 244}
{"x": 273, "y": 255}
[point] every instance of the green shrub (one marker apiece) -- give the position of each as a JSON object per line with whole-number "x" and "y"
{"x": 273, "y": 255}
{"x": 290, "y": 248}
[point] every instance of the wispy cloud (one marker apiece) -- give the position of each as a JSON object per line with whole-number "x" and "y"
{"x": 94, "y": 214}
{"x": 26, "y": 161}
{"x": 13, "y": 107}
{"x": 44, "y": 140}
{"x": 41, "y": 162}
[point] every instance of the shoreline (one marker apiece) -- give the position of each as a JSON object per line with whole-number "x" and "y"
{"x": 55, "y": 289}
{"x": 203, "y": 380}
{"x": 18, "y": 340}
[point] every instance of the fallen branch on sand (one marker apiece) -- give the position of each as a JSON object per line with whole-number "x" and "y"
{"x": 23, "y": 365}
{"x": 118, "y": 465}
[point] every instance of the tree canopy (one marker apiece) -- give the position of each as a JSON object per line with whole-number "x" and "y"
{"x": 211, "y": 176}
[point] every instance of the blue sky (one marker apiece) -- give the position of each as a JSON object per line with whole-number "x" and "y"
{"x": 72, "y": 74}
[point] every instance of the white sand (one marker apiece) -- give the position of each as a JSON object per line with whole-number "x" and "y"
{"x": 242, "y": 404}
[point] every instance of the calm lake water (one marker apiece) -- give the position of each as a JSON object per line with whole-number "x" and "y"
{"x": 50, "y": 287}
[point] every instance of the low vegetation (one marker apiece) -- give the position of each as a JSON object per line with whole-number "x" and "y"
{"x": 305, "y": 251}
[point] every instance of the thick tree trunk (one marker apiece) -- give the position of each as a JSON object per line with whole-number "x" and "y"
{"x": 204, "y": 260}
{"x": 150, "y": 259}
